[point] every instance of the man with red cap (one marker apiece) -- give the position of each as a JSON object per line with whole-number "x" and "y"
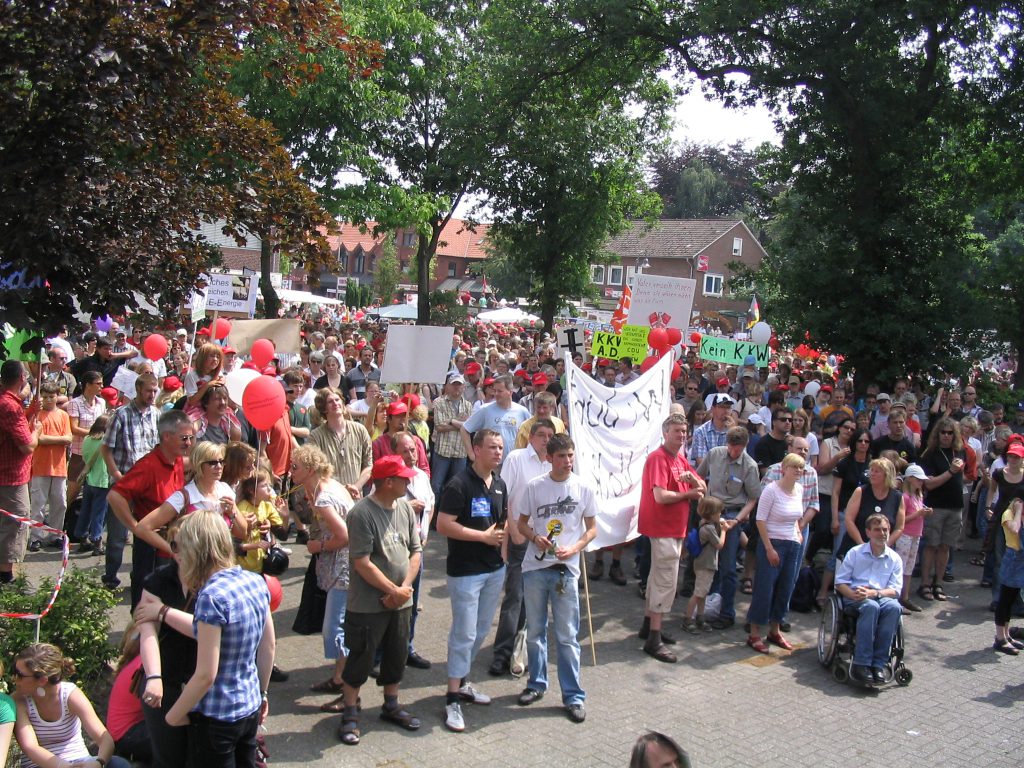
{"x": 472, "y": 376}
{"x": 384, "y": 553}
{"x": 722, "y": 387}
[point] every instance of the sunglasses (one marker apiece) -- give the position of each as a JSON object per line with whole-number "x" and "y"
{"x": 946, "y": 432}
{"x": 188, "y": 438}
{"x": 289, "y": 391}
{"x": 214, "y": 463}
{"x": 22, "y": 675}
{"x": 783, "y": 418}
{"x": 865, "y": 441}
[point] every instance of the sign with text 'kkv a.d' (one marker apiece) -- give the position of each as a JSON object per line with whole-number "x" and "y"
{"x": 732, "y": 352}
{"x": 631, "y": 343}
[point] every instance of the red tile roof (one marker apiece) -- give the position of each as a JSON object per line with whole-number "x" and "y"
{"x": 456, "y": 239}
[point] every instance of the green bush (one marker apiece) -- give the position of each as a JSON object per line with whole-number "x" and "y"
{"x": 78, "y": 623}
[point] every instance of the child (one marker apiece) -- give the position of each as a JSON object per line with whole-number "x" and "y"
{"x": 258, "y": 505}
{"x": 913, "y": 528}
{"x": 93, "y": 512}
{"x": 712, "y": 539}
{"x": 49, "y": 485}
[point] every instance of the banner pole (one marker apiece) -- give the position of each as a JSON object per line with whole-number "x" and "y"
{"x": 590, "y": 618}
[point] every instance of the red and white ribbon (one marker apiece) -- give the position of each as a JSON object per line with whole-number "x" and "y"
{"x": 60, "y": 576}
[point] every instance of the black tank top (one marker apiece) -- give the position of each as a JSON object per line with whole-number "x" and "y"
{"x": 869, "y": 505}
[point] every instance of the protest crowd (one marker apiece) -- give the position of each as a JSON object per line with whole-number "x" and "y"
{"x": 777, "y": 483}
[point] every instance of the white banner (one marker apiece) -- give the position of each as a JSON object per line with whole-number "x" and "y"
{"x": 614, "y": 430}
{"x": 662, "y": 301}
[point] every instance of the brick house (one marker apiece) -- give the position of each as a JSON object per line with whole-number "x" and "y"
{"x": 695, "y": 248}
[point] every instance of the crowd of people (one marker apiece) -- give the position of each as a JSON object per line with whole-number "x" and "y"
{"x": 761, "y": 476}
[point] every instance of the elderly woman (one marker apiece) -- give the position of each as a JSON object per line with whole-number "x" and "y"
{"x": 225, "y": 701}
{"x": 331, "y": 502}
{"x": 216, "y": 422}
{"x": 204, "y": 491}
{"x": 779, "y": 511}
{"x": 879, "y": 496}
{"x": 207, "y": 373}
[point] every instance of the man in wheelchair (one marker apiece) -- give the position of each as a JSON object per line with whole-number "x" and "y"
{"x": 869, "y": 579}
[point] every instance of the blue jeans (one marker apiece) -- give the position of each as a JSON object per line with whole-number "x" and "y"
{"x": 876, "y": 626}
{"x": 442, "y": 469}
{"x": 836, "y": 540}
{"x": 725, "y": 579}
{"x": 117, "y": 536}
{"x": 92, "y": 513}
{"x": 774, "y": 583}
{"x": 334, "y": 624}
{"x": 474, "y": 602}
{"x": 542, "y": 587}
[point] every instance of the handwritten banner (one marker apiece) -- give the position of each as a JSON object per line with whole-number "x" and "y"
{"x": 732, "y": 352}
{"x": 662, "y": 301}
{"x": 631, "y": 343}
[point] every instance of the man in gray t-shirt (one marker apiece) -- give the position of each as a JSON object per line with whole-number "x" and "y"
{"x": 384, "y": 552}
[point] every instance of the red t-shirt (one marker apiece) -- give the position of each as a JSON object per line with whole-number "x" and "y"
{"x": 664, "y": 521}
{"x": 150, "y": 482}
{"x": 15, "y": 466}
{"x": 279, "y": 449}
{"x": 123, "y": 709}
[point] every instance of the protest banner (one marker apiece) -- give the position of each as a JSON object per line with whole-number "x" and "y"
{"x": 230, "y": 296}
{"x": 416, "y": 353}
{"x": 662, "y": 302}
{"x": 631, "y": 343}
{"x": 124, "y": 381}
{"x": 614, "y": 430}
{"x": 731, "y": 351}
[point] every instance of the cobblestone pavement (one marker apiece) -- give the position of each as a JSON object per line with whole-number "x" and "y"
{"x": 725, "y": 704}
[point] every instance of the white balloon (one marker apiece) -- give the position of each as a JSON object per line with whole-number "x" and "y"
{"x": 761, "y": 333}
{"x": 237, "y": 381}
{"x": 812, "y": 388}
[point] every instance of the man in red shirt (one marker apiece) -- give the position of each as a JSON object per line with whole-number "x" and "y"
{"x": 147, "y": 485}
{"x": 669, "y": 485}
{"x": 17, "y": 441}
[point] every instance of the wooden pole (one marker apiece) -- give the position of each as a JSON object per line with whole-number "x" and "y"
{"x": 590, "y": 618}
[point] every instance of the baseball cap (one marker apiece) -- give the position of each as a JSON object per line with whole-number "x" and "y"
{"x": 782, "y": 388}
{"x": 882, "y": 396}
{"x": 540, "y": 380}
{"x": 750, "y": 361}
{"x": 487, "y": 382}
{"x": 721, "y": 399}
{"x": 1015, "y": 449}
{"x": 411, "y": 400}
{"x": 722, "y": 382}
{"x": 229, "y": 350}
{"x": 181, "y": 332}
{"x": 794, "y": 382}
{"x": 397, "y": 408}
{"x": 755, "y": 419}
{"x": 203, "y": 332}
{"x": 172, "y": 383}
{"x": 826, "y": 388}
{"x": 914, "y": 470}
{"x": 899, "y": 406}
{"x": 472, "y": 368}
{"x": 456, "y": 378}
{"x": 391, "y": 466}
{"x": 111, "y": 395}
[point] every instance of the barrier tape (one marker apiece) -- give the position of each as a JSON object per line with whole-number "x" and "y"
{"x": 60, "y": 576}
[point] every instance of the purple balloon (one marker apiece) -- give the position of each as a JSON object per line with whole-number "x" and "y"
{"x": 104, "y": 323}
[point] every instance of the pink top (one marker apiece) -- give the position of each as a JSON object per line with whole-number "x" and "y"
{"x": 781, "y": 511}
{"x": 911, "y": 504}
{"x": 124, "y": 710}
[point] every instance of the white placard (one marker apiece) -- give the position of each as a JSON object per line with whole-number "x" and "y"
{"x": 668, "y": 299}
{"x": 571, "y": 340}
{"x": 416, "y": 353}
{"x": 124, "y": 381}
{"x": 614, "y": 430}
{"x": 198, "y": 304}
{"x": 231, "y": 295}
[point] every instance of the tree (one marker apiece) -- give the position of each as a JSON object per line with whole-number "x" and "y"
{"x": 387, "y": 271}
{"x": 119, "y": 138}
{"x": 1002, "y": 300}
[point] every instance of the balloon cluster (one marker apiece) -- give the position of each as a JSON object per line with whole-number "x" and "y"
{"x": 661, "y": 340}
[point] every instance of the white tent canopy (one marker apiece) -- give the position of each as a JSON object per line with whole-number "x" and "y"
{"x": 506, "y": 315}
{"x": 398, "y": 312}
{"x": 304, "y": 297}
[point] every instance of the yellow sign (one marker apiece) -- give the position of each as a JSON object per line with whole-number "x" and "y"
{"x": 631, "y": 343}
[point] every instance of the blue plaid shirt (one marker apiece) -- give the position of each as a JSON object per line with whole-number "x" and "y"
{"x": 705, "y": 437}
{"x": 238, "y": 602}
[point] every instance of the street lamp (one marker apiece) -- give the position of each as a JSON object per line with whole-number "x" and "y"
{"x": 642, "y": 263}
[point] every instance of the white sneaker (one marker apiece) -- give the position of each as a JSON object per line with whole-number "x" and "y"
{"x": 453, "y": 720}
{"x": 472, "y": 695}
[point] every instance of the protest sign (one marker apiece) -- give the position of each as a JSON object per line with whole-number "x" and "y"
{"x": 571, "y": 340}
{"x": 731, "y": 351}
{"x": 631, "y": 343}
{"x": 124, "y": 381}
{"x": 230, "y": 296}
{"x": 663, "y": 302}
{"x": 284, "y": 333}
{"x": 416, "y": 353}
{"x": 614, "y": 430}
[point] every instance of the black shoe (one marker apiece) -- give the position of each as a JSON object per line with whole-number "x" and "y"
{"x": 302, "y": 537}
{"x": 576, "y": 713}
{"x": 529, "y": 696}
{"x": 645, "y": 632}
{"x": 948, "y": 577}
{"x": 375, "y": 671}
{"x": 84, "y": 548}
{"x": 879, "y": 675}
{"x": 416, "y": 661}
{"x": 1017, "y": 633}
{"x": 616, "y": 575}
{"x": 660, "y": 652}
{"x": 35, "y": 545}
{"x": 498, "y": 668}
{"x": 721, "y": 623}
{"x": 1005, "y": 646}
{"x": 862, "y": 674}
{"x": 784, "y": 626}
{"x": 278, "y": 675}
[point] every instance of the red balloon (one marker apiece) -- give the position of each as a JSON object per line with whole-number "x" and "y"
{"x": 262, "y": 352}
{"x": 658, "y": 339}
{"x": 695, "y": 337}
{"x": 263, "y": 402}
{"x": 154, "y": 347}
{"x": 222, "y": 329}
{"x": 276, "y": 592}
{"x": 648, "y": 363}
{"x": 674, "y": 336}
{"x": 677, "y": 371}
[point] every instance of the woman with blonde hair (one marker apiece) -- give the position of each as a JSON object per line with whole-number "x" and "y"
{"x": 879, "y": 497}
{"x": 225, "y": 701}
{"x": 53, "y": 711}
{"x": 205, "y": 374}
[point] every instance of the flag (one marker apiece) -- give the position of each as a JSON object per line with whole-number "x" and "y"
{"x": 754, "y": 313}
{"x": 621, "y": 313}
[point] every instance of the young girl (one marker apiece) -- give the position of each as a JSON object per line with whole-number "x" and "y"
{"x": 258, "y": 505}
{"x": 913, "y": 528}
{"x": 93, "y": 512}
{"x": 712, "y": 539}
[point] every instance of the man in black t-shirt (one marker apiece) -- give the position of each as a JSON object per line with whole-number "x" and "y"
{"x": 897, "y": 439}
{"x": 772, "y": 448}
{"x": 472, "y": 512}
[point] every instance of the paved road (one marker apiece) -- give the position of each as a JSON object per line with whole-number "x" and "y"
{"x": 725, "y": 704}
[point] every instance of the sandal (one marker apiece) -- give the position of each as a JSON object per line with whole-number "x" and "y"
{"x": 401, "y": 718}
{"x": 776, "y": 638}
{"x": 757, "y": 644}
{"x": 937, "y": 593}
{"x": 327, "y": 686}
{"x": 746, "y": 587}
{"x": 337, "y": 705}
{"x": 925, "y": 593}
{"x": 348, "y": 732}
{"x": 978, "y": 560}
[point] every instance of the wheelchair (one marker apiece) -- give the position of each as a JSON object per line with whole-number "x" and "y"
{"x": 836, "y": 636}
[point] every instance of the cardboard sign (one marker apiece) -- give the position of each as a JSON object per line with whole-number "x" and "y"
{"x": 416, "y": 353}
{"x": 731, "y": 351}
{"x": 198, "y": 304}
{"x": 124, "y": 381}
{"x": 284, "y": 333}
{"x": 571, "y": 340}
{"x": 663, "y": 302}
{"x": 631, "y": 343}
{"x": 230, "y": 296}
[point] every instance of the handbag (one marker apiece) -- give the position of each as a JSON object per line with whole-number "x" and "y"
{"x": 518, "y": 663}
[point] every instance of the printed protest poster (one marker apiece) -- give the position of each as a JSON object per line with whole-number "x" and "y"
{"x": 662, "y": 302}
{"x": 614, "y": 430}
{"x": 417, "y": 353}
{"x": 631, "y": 343}
{"x": 731, "y": 351}
{"x": 230, "y": 295}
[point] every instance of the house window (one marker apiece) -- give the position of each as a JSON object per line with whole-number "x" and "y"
{"x": 737, "y": 246}
{"x": 713, "y": 284}
{"x": 597, "y": 274}
{"x": 359, "y": 264}
{"x": 409, "y": 239}
{"x": 452, "y": 269}
{"x": 614, "y": 275}
{"x": 631, "y": 277}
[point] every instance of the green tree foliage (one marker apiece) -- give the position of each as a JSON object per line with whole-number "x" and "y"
{"x": 387, "y": 272}
{"x": 1002, "y": 301}
{"x": 119, "y": 138}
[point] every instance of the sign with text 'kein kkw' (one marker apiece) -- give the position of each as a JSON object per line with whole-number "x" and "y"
{"x": 732, "y": 352}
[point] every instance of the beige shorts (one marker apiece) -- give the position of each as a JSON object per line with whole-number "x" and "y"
{"x": 942, "y": 527}
{"x": 13, "y": 535}
{"x": 702, "y": 582}
{"x": 662, "y": 583}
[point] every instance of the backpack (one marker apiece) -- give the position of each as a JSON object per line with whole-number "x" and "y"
{"x": 805, "y": 590}
{"x": 693, "y": 545}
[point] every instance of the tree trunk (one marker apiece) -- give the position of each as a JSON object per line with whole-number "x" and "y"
{"x": 271, "y": 303}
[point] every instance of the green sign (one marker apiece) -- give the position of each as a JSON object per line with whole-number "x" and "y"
{"x": 631, "y": 343}
{"x": 732, "y": 352}
{"x": 21, "y": 345}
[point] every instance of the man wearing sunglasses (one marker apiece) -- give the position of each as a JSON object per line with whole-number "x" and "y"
{"x": 772, "y": 447}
